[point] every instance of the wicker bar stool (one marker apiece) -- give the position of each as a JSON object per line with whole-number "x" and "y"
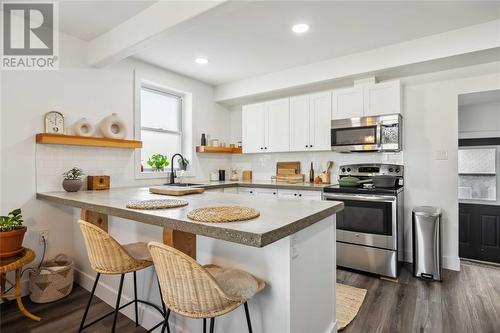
{"x": 196, "y": 291}
{"x": 108, "y": 257}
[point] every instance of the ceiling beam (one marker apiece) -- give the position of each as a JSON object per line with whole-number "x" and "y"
{"x": 134, "y": 34}
{"x": 465, "y": 43}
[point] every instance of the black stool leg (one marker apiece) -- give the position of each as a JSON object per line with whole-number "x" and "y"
{"x": 247, "y": 314}
{"x": 89, "y": 302}
{"x": 212, "y": 325}
{"x": 204, "y": 325}
{"x": 135, "y": 301}
{"x": 117, "y": 308}
{"x": 165, "y": 324}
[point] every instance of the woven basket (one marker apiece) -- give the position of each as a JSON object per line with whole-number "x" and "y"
{"x": 53, "y": 281}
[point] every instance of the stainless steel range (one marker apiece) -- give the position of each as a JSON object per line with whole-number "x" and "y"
{"x": 370, "y": 228}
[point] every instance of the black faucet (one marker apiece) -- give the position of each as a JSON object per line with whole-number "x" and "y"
{"x": 172, "y": 173}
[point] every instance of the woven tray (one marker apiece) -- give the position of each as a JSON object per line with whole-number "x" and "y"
{"x": 156, "y": 204}
{"x": 219, "y": 214}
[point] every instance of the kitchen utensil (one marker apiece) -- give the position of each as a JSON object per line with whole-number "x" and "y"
{"x": 384, "y": 181}
{"x": 349, "y": 181}
{"x": 296, "y": 178}
{"x": 175, "y": 190}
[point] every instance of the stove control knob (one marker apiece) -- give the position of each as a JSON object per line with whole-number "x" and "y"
{"x": 391, "y": 169}
{"x": 397, "y": 170}
{"x": 348, "y": 169}
{"x": 343, "y": 169}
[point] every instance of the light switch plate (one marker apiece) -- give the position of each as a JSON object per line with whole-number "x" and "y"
{"x": 441, "y": 155}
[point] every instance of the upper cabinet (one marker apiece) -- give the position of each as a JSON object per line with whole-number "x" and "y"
{"x": 367, "y": 100}
{"x": 310, "y": 117}
{"x": 263, "y": 129}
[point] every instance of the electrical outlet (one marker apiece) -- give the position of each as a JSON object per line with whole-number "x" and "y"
{"x": 43, "y": 234}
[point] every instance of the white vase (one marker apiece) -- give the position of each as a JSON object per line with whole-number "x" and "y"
{"x": 83, "y": 128}
{"x": 113, "y": 127}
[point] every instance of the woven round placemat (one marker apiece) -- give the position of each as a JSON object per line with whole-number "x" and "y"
{"x": 219, "y": 214}
{"x": 156, "y": 204}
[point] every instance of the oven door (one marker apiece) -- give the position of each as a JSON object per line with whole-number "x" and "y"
{"x": 366, "y": 219}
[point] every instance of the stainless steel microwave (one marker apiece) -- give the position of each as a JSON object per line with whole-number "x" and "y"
{"x": 367, "y": 134}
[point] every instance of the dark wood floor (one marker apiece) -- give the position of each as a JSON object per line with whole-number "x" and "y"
{"x": 467, "y": 301}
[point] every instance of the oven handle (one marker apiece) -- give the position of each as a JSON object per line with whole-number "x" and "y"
{"x": 378, "y": 198}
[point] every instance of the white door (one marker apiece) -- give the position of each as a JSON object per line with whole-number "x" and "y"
{"x": 299, "y": 123}
{"x": 277, "y": 126}
{"x": 382, "y": 98}
{"x": 253, "y": 136}
{"x": 320, "y": 116}
{"x": 347, "y": 103}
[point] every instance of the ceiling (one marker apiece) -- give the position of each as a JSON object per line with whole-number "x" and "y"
{"x": 483, "y": 97}
{"x": 244, "y": 39}
{"x": 88, "y": 19}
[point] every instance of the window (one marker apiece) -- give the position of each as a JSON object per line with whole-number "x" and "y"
{"x": 160, "y": 123}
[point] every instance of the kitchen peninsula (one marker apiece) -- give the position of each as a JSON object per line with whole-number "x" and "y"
{"x": 291, "y": 245}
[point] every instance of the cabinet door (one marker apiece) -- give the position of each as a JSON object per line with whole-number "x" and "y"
{"x": 299, "y": 123}
{"x": 320, "y": 116}
{"x": 290, "y": 194}
{"x": 246, "y": 190}
{"x": 347, "y": 103}
{"x": 269, "y": 192}
{"x": 310, "y": 195}
{"x": 277, "y": 126}
{"x": 253, "y": 136}
{"x": 382, "y": 98}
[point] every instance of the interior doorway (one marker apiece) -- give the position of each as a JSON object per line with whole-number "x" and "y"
{"x": 479, "y": 175}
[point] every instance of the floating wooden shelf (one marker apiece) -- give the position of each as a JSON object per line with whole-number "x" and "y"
{"x": 72, "y": 140}
{"x": 220, "y": 150}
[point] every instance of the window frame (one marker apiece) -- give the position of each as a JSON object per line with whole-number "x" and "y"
{"x": 156, "y": 85}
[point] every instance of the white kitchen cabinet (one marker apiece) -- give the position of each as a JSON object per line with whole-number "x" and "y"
{"x": 299, "y": 195}
{"x": 320, "y": 116}
{"x": 254, "y": 128}
{"x": 263, "y": 129}
{"x": 231, "y": 190}
{"x": 269, "y": 192}
{"x": 347, "y": 103}
{"x": 367, "y": 100}
{"x": 299, "y": 123}
{"x": 277, "y": 129}
{"x": 310, "y": 195}
{"x": 310, "y": 117}
{"x": 215, "y": 190}
{"x": 246, "y": 190}
{"x": 382, "y": 98}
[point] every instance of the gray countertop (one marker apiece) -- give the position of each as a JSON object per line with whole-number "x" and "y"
{"x": 278, "y": 217}
{"x": 262, "y": 184}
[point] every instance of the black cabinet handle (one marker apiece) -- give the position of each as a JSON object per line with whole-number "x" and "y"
{"x": 310, "y": 146}
{"x": 300, "y": 195}
{"x": 295, "y": 194}
{"x": 274, "y": 193}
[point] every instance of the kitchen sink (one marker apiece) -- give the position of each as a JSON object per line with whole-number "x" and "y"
{"x": 183, "y": 184}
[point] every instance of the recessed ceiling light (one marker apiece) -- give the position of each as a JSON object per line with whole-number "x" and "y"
{"x": 201, "y": 61}
{"x": 300, "y": 28}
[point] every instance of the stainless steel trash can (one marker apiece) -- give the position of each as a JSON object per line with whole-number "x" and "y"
{"x": 427, "y": 261}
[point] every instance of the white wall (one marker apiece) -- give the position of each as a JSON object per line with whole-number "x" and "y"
{"x": 430, "y": 125}
{"x": 78, "y": 91}
{"x": 479, "y": 120}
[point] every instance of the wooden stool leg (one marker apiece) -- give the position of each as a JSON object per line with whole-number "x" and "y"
{"x": 20, "y": 301}
{"x": 180, "y": 240}
{"x": 2, "y": 285}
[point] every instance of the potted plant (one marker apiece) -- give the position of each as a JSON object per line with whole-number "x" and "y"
{"x": 183, "y": 163}
{"x": 158, "y": 162}
{"x": 73, "y": 180}
{"x": 11, "y": 233}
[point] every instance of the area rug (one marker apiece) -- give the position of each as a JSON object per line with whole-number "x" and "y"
{"x": 349, "y": 301}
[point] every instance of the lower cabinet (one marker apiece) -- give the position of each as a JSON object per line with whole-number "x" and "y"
{"x": 281, "y": 193}
{"x": 479, "y": 232}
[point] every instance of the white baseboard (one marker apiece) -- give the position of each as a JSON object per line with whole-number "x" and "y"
{"x": 332, "y": 328}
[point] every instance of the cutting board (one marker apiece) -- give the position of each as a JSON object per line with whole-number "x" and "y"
{"x": 175, "y": 190}
{"x": 286, "y": 167}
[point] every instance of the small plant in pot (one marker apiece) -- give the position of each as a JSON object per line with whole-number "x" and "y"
{"x": 183, "y": 163}
{"x": 158, "y": 162}
{"x": 11, "y": 233}
{"x": 73, "y": 180}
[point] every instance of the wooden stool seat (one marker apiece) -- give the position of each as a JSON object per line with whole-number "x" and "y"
{"x": 16, "y": 263}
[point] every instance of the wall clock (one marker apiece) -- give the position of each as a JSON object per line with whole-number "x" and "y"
{"x": 54, "y": 122}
